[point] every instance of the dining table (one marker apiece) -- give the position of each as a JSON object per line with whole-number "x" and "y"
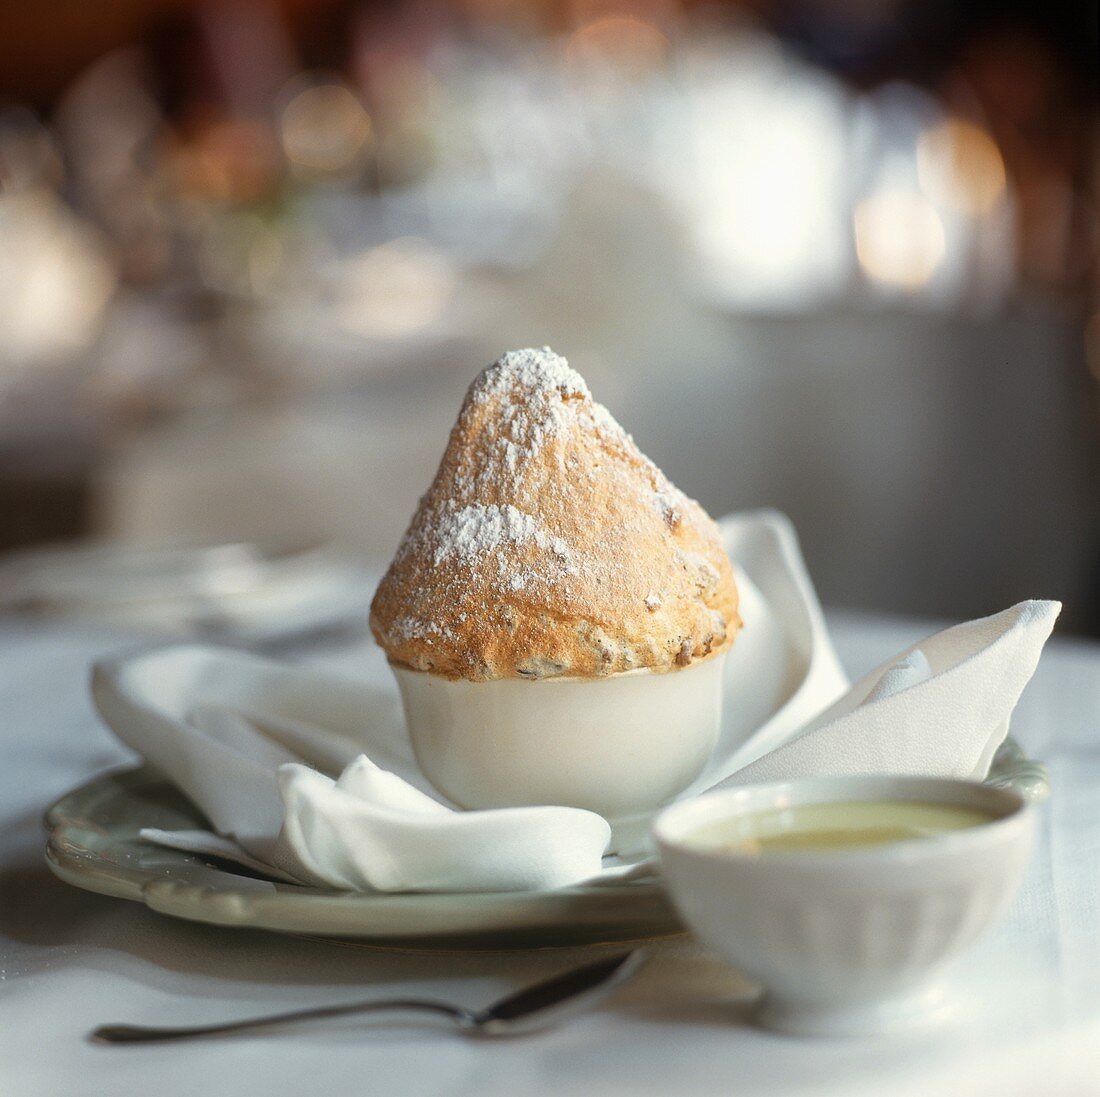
{"x": 1026, "y": 996}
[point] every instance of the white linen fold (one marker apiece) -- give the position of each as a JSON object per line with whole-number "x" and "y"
{"x": 312, "y": 775}
{"x": 299, "y": 797}
{"x": 940, "y": 709}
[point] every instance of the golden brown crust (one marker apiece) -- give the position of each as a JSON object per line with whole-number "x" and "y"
{"x": 549, "y": 545}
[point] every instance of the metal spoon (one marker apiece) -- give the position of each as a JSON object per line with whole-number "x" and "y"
{"x": 525, "y": 1011}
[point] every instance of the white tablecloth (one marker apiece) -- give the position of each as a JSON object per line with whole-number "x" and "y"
{"x": 69, "y": 960}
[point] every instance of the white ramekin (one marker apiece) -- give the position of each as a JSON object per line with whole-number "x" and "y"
{"x": 847, "y": 942}
{"x": 618, "y": 745}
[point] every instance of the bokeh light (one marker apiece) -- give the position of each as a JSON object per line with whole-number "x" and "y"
{"x": 394, "y": 290}
{"x": 325, "y": 130}
{"x": 629, "y": 43}
{"x": 960, "y": 165}
{"x": 900, "y": 239}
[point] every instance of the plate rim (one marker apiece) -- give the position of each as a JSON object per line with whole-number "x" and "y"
{"x": 206, "y": 893}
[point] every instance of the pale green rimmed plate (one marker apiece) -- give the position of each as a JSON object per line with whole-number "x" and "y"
{"x": 94, "y": 844}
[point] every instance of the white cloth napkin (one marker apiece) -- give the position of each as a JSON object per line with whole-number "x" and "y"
{"x": 312, "y": 776}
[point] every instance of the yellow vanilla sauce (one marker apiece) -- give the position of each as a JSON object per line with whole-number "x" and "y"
{"x": 846, "y": 825}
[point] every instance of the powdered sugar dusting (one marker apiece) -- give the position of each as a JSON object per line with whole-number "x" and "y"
{"x": 475, "y": 530}
{"x": 533, "y": 371}
{"x": 413, "y": 628}
{"x": 544, "y": 536}
{"x": 535, "y": 396}
{"x": 526, "y": 408}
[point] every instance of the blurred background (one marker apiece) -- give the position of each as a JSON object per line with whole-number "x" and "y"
{"x": 839, "y": 257}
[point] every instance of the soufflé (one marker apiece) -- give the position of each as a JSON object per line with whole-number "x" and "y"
{"x": 548, "y": 545}
{"x": 547, "y": 549}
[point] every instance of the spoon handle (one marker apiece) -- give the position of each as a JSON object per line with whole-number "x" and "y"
{"x": 140, "y": 1034}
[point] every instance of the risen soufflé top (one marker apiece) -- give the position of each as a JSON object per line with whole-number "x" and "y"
{"x": 548, "y": 545}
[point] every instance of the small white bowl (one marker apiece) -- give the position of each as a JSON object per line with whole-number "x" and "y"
{"x": 618, "y": 745}
{"x": 847, "y": 942}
